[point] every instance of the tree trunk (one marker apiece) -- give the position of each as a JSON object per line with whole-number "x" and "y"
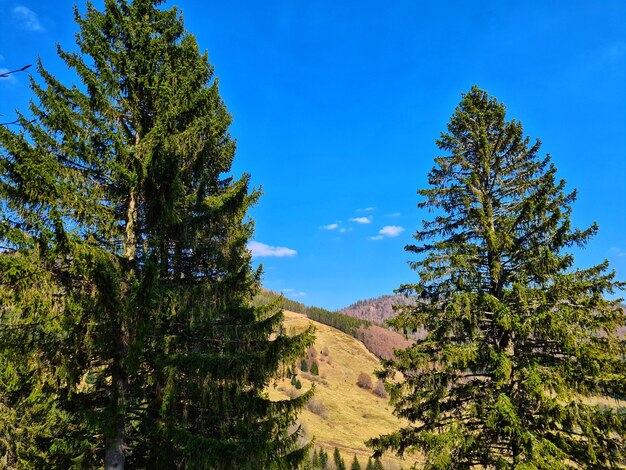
{"x": 114, "y": 458}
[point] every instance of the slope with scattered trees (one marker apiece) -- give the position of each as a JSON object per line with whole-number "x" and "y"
{"x": 378, "y": 340}
{"x": 341, "y": 414}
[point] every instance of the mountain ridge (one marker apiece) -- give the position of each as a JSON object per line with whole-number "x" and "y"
{"x": 377, "y": 309}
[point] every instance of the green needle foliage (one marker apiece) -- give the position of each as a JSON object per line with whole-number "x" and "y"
{"x": 127, "y": 331}
{"x": 338, "y": 459}
{"x": 519, "y": 343}
{"x": 355, "y": 464}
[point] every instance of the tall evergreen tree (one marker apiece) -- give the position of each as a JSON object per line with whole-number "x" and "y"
{"x": 127, "y": 333}
{"x": 315, "y": 460}
{"x": 323, "y": 459}
{"x": 519, "y": 343}
{"x": 338, "y": 459}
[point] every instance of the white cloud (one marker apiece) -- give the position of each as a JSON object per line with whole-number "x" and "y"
{"x": 361, "y": 220}
{"x": 330, "y": 227}
{"x": 387, "y": 231}
{"x": 367, "y": 209}
{"x": 391, "y": 230}
{"x": 261, "y": 250}
{"x": 344, "y": 230}
{"x": 27, "y": 18}
{"x": 393, "y": 214}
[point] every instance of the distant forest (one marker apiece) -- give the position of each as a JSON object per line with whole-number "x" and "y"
{"x": 342, "y": 322}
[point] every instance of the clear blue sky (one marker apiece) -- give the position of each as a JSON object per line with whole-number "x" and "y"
{"x": 337, "y": 106}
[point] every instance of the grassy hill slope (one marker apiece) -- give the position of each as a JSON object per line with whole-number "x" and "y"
{"x": 344, "y": 415}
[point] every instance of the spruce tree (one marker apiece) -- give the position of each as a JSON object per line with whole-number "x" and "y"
{"x": 519, "y": 343}
{"x": 315, "y": 369}
{"x": 127, "y": 333}
{"x": 338, "y": 459}
{"x": 355, "y": 464}
{"x": 315, "y": 460}
{"x": 323, "y": 459}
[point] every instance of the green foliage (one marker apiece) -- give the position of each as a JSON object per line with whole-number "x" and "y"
{"x": 315, "y": 460}
{"x": 323, "y": 459}
{"x": 315, "y": 369}
{"x": 355, "y": 464}
{"x": 338, "y": 460}
{"x": 127, "y": 327}
{"x": 298, "y": 385}
{"x": 518, "y": 341}
{"x": 304, "y": 367}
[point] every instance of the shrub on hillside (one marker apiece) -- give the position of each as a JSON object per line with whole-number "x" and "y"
{"x": 315, "y": 369}
{"x": 379, "y": 390}
{"x": 364, "y": 381}
{"x": 316, "y": 406}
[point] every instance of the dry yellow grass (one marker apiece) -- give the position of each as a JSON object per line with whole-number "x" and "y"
{"x": 354, "y": 414}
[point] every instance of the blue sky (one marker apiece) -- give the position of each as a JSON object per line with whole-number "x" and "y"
{"x": 337, "y": 106}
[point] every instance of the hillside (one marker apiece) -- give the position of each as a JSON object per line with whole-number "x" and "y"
{"x": 376, "y": 310}
{"x": 341, "y": 414}
{"x": 378, "y": 340}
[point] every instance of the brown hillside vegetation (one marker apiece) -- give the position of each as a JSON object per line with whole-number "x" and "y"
{"x": 377, "y": 310}
{"x": 381, "y": 341}
{"x": 341, "y": 414}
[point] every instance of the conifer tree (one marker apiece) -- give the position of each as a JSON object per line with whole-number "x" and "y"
{"x": 304, "y": 366}
{"x": 323, "y": 459}
{"x": 338, "y": 459}
{"x": 127, "y": 334}
{"x": 315, "y": 460}
{"x": 315, "y": 369}
{"x": 519, "y": 342}
{"x": 355, "y": 464}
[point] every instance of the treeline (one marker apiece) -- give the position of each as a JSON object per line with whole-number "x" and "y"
{"x": 342, "y": 322}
